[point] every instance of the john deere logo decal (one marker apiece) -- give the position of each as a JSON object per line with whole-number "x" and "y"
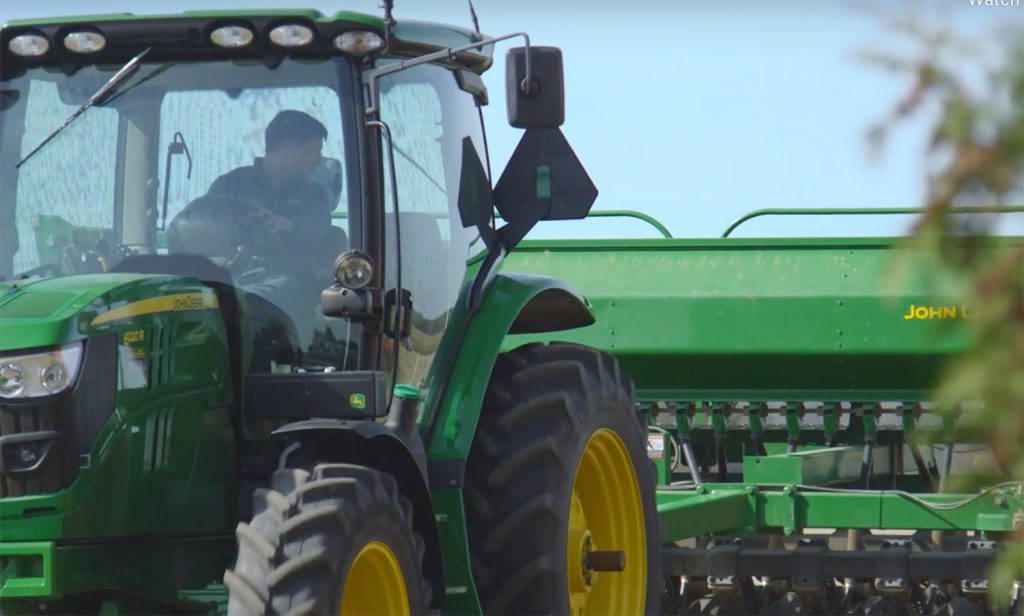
{"x": 924, "y": 313}
{"x": 357, "y": 401}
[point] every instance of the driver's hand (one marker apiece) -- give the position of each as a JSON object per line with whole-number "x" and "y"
{"x": 270, "y": 220}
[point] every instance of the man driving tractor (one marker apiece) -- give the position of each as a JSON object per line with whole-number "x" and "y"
{"x": 278, "y": 185}
{"x": 284, "y": 215}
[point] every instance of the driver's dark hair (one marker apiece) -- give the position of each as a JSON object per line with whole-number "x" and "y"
{"x": 291, "y": 126}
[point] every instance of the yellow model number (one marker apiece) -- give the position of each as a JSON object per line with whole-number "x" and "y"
{"x": 131, "y": 337}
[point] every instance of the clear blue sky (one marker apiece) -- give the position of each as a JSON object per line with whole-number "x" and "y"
{"x": 695, "y": 112}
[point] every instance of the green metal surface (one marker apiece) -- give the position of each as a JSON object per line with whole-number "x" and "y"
{"x": 27, "y": 569}
{"x": 452, "y": 413}
{"x": 736, "y": 509}
{"x": 685, "y": 514}
{"x": 858, "y": 212}
{"x": 881, "y": 510}
{"x": 819, "y": 467}
{"x": 759, "y": 319}
{"x": 145, "y": 567}
{"x": 48, "y": 311}
{"x": 163, "y": 461}
{"x": 460, "y": 589}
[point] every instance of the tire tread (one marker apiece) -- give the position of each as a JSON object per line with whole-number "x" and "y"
{"x": 285, "y": 561}
{"x": 537, "y": 409}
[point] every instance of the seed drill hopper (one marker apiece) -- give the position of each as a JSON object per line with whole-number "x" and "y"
{"x": 786, "y": 384}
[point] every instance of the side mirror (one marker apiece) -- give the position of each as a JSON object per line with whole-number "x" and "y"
{"x": 539, "y": 102}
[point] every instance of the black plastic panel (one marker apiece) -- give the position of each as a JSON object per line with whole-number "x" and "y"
{"x": 315, "y": 394}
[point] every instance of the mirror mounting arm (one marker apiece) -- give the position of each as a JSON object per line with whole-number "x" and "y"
{"x": 371, "y": 90}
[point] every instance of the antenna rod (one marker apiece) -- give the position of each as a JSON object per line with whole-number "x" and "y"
{"x": 389, "y": 20}
{"x": 472, "y": 14}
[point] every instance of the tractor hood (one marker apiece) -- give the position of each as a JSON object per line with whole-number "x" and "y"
{"x": 50, "y": 311}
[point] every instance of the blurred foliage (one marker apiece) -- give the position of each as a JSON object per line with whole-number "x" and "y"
{"x": 971, "y": 95}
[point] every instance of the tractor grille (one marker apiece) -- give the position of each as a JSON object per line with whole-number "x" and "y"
{"x": 43, "y": 444}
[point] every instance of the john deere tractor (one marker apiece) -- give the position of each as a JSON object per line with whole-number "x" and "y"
{"x": 326, "y": 389}
{"x": 175, "y": 364}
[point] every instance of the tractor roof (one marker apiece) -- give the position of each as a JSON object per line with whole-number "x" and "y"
{"x": 183, "y": 34}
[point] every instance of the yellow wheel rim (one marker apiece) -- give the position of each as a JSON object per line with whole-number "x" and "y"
{"x": 606, "y": 514}
{"x": 375, "y": 585}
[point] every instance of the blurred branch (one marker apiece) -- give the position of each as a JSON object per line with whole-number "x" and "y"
{"x": 975, "y": 156}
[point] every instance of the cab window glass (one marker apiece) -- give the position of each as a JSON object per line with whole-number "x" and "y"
{"x": 93, "y": 197}
{"x": 429, "y": 116}
{"x": 223, "y": 132}
{"x": 283, "y": 237}
{"x": 67, "y": 187}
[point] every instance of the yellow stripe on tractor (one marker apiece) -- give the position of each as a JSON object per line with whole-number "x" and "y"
{"x": 179, "y": 302}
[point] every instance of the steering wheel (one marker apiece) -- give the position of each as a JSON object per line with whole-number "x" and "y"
{"x": 225, "y": 229}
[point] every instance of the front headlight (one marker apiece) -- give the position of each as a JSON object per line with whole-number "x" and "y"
{"x": 43, "y": 373}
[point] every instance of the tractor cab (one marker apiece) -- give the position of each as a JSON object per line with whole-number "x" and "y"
{"x": 236, "y": 243}
{"x": 161, "y": 155}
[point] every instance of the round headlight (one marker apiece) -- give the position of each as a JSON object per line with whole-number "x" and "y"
{"x": 291, "y": 35}
{"x": 12, "y": 379}
{"x": 358, "y": 42}
{"x": 231, "y": 37}
{"x": 54, "y": 378}
{"x": 353, "y": 270}
{"x": 29, "y": 45}
{"x": 85, "y": 41}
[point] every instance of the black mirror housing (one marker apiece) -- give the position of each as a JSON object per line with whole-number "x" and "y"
{"x": 540, "y": 103}
{"x": 543, "y": 181}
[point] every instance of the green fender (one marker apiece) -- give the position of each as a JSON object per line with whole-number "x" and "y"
{"x": 512, "y": 304}
{"x": 454, "y": 395}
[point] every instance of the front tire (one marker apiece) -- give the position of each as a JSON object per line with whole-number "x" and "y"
{"x": 339, "y": 541}
{"x": 558, "y": 470}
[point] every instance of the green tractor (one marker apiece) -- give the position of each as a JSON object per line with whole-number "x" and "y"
{"x": 264, "y": 349}
{"x": 252, "y": 280}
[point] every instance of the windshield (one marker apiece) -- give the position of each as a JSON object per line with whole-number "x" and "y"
{"x": 240, "y": 162}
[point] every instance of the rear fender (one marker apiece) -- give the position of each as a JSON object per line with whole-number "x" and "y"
{"x": 512, "y": 304}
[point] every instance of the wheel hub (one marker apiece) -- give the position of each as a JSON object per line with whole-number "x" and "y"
{"x": 580, "y": 544}
{"x": 605, "y": 512}
{"x": 375, "y": 584}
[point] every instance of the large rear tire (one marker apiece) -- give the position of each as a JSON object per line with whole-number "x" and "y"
{"x": 558, "y": 470}
{"x": 338, "y": 541}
